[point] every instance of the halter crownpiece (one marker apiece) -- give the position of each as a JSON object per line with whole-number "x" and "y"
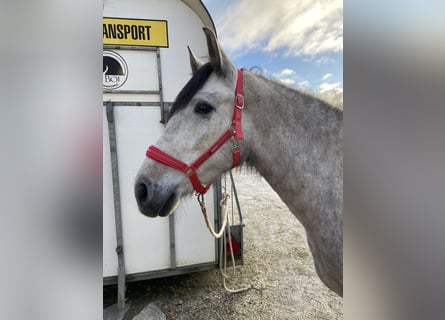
{"x": 234, "y": 132}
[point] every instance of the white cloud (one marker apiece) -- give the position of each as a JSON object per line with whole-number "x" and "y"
{"x": 324, "y": 60}
{"x": 319, "y": 61}
{"x": 325, "y": 87}
{"x": 295, "y": 27}
{"x": 287, "y": 72}
{"x": 289, "y": 82}
{"x": 326, "y": 76}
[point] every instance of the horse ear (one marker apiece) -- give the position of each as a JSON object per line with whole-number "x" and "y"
{"x": 218, "y": 57}
{"x": 195, "y": 63}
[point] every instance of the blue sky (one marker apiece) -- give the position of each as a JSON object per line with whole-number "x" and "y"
{"x": 297, "y": 42}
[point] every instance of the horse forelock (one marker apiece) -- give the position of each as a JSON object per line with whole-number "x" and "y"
{"x": 191, "y": 88}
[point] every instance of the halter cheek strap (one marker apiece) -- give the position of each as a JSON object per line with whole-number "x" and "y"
{"x": 234, "y": 132}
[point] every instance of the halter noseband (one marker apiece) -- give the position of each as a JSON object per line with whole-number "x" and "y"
{"x": 235, "y": 131}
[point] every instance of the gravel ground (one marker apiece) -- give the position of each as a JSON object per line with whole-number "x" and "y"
{"x": 277, "y": 263}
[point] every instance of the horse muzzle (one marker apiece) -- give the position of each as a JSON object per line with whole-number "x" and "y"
{"x": 154, "y": 200}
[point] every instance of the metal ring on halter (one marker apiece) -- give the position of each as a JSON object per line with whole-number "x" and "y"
{"x": 200, "y": 197}
{"x": 239, "y": 97}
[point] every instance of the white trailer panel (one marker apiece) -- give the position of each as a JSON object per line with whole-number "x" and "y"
{"x": 136, "y": 105}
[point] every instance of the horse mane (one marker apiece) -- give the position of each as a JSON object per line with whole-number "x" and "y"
{"x": 308, "y": 93}
{"x": 191, "y": 88}
{"x": 309, "y": 97}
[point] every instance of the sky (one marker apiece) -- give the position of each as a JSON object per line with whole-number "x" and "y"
{"x": 299, "y": 43}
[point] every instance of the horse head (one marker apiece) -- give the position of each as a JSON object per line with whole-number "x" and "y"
{"x": 203, "y": 112}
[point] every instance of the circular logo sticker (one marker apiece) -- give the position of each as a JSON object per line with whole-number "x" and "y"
{"x": 115, "y": 70}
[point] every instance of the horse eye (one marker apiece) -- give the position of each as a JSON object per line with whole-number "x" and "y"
{"x": 203, "y": 108}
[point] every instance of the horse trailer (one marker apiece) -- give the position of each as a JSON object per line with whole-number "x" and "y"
{"x": 145, "y": 64}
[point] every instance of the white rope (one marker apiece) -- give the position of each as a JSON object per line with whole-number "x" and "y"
{"x": 223, "y": 202}
{"x": 225, "y": 226}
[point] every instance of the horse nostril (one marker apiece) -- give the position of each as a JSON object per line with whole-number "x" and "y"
{"x": 141, "y": 192}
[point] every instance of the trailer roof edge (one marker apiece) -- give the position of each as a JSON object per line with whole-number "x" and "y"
{"x": 200, "y": 9}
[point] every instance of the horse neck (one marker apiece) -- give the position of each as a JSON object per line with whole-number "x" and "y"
{"x": 295, "y": 143}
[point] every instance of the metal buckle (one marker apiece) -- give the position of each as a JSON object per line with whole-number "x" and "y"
{"x": 233, "y": 128}
{"x": 200, "y": 198}
{"x": 235, "y": 146}
{"x": 239, "y": 101}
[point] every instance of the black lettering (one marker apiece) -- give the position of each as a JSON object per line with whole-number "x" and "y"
{"x": 134, "y": 32}
{"x": 112, "y": 31}
{"x": 109, "y": 78}
{"x": 120, "y": 35}
{"x": 126, "y": 30}
{"x": 141, "y": 33}
{"x": 121, "y": 31}
{"x": 104, "y": 29}
{"x": 148, "y": 31}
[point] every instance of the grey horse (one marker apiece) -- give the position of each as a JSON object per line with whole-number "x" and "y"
{"x": 292, "y": 139}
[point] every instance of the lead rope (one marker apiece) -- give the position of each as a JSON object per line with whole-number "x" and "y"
{"x": 223, "y": 202}
{"x": 225, "y": 226}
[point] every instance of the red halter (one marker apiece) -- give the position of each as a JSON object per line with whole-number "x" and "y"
{"x": 235, "y": 131}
